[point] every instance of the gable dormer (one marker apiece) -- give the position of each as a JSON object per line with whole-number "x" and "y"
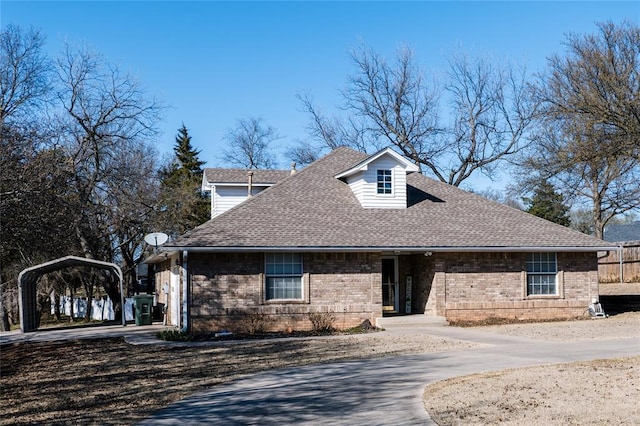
{"x": 380, "y": 181}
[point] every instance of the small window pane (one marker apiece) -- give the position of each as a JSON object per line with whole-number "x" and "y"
{"x": 284, "y": 276}
{"x": 384, "y": 181}
{"x": 541, "y": 273}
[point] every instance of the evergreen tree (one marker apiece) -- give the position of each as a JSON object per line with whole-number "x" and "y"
{"x": 186, "y": 155}
{"x": 183, "y": 205}
{"x": 548, "y": 204}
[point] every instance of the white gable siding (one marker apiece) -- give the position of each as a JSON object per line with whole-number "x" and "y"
{"x": 364, "y": 185}
{"x": 227, "y": 197}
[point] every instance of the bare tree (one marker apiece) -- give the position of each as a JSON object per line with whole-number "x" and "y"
{"x": 106, "y": 124}
{"x": 24, "y": 71}
{"x": 250, "y": 144}
{"x": 392, "y": 105}
{"x": 492, "y": 110}
{"x": 589, "y": 146}
{"x": 328, "y": 133}
{"x": 30, "y": 203}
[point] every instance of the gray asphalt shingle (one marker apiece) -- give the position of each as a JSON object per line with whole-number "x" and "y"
{"x": 313, "y": 209}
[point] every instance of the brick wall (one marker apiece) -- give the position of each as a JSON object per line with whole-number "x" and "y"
{"x": 482, "y": 285}
{"x": 227, "y": 288}
{"x": 227, "y": 291}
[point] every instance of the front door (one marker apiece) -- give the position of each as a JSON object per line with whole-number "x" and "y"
{"x": 390, "y": 298}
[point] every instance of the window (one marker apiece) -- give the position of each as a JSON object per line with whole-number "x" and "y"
{"x": 384, "y": 181}
{"x": 541, "y": 274}
{"x": 284, "y": 276}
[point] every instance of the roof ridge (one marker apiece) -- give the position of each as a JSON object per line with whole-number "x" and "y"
{"x": 241, "y": 169}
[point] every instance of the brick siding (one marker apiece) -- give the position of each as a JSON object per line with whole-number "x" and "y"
{"x": 227, "y": 291}
{"x": 478, "y": 286}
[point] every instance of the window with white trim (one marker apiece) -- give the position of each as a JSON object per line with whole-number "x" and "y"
{"x": 384, "y": 181}
{"x": 283, "y": 276}
{"x": 542, "y": 269}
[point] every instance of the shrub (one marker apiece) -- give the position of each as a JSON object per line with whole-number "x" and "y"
{"x": 254, "y": 323}
{"x": 174, "y": 335}
{"x": 322, "y": 321}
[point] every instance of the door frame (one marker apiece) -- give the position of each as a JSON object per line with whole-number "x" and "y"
{"x": 396, "y": 285}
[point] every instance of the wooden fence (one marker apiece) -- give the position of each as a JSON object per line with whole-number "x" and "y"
{"x": 609, "y": 267}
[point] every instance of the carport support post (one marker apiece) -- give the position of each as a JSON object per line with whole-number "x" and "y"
{"x": 124, "y": 315}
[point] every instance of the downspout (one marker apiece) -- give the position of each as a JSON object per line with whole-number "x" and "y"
{"x": 185, "y": 291}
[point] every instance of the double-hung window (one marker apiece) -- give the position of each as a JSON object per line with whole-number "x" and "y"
{"x": 384, "y": 181}
{"x": 542, "y": 269}
{"x": 283, "y": 276}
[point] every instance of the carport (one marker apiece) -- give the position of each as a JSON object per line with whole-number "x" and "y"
{"x": 28, "y": 280}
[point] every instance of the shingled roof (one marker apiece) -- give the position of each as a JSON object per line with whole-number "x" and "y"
{"x": 216, "y": 175}
{"x": 313, "y": 210}
{"x": 623, "y": 232}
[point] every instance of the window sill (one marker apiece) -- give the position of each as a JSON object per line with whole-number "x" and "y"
{"x": 285, "y": 302}
{"x": 543, "y": 296}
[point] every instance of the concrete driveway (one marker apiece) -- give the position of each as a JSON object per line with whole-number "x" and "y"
{"x": 80, "y": 332}
{"x": 372, "y": 392}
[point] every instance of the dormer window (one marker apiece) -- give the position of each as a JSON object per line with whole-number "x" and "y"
{"x": 384, "y": 181}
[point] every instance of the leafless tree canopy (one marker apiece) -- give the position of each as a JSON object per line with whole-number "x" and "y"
{"x": 24, "y": 71}
{"x": 589, "y": 144}
{"x": 250, "y": 145}
{"x": 391, "y": 104}
{"x": 105, "y": 129}
{"x": 79, "y": 176}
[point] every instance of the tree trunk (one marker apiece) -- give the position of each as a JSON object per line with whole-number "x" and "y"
{"x": 598, "y": 225}
{"x": 56, "y": 305}
{"x": 114, "y": 294}
{"x": 4, "y": 315}
{"x": 88, "y": 287}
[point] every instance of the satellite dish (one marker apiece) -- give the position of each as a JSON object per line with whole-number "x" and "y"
{"x": 156, "y": 238}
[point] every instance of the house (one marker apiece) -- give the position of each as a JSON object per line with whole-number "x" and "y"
{"x": 365, "y": 236}
{"x": 622, "y": 232}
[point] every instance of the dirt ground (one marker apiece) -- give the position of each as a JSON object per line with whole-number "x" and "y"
{"x": 107, "y": 381}
{"x": 581, "y": 393}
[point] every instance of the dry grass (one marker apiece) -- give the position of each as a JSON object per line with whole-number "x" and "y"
{"x": 601, "y": 392}
{"x": 108, "y": 381}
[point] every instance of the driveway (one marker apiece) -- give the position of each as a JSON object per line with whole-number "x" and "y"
{"x": 80, "y": 332}
{"x": 374, "y": 391}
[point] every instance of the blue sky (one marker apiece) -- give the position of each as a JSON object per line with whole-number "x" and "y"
{"x": 215, "y": 62}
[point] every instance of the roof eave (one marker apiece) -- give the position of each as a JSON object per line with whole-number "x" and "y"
{"x": 392, "y": 249}
{"x": 364, "y": 165}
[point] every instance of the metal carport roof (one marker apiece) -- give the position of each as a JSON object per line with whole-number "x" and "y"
{"x": 28, "y": 279}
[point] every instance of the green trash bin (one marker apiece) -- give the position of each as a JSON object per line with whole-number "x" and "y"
{"x": 143, "y": 304}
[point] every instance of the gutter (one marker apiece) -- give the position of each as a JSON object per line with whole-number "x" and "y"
{"x": 362, "y": 249}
